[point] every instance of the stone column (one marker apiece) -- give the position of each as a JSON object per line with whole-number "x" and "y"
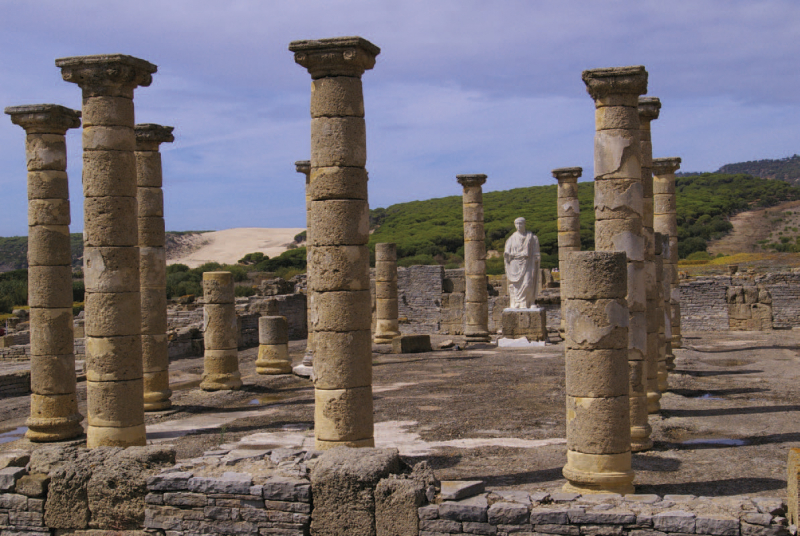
{"x": 655, "y": 360}
{"x": 153, "y": 264}
{"x": 338, "y": 262}
{"x": 618, "y": 200}
{"x": 665, "y": 330}
{"x": 476, "y": 295}
{"x": 221, "y": 358}
{"x": 649, "y": 108}
{"x": 569, "y": 224}
{"x": 666, "y": 222}
{"x": 114, "y": 384}
{"x": 598, "y": 424}
{"x": 54, "y": 406}
{"x": 273, "y": 346}
{"x": 387, "y": 327}
{"x": 306, "y": 368}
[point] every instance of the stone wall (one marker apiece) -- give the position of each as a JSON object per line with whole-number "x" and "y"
{"x": 15, "y": 383}
{"x": 419, "y": 298}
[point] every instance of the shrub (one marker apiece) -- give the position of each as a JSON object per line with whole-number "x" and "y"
{"x": 78, "y": 291}
{"x": 243, "y": 291}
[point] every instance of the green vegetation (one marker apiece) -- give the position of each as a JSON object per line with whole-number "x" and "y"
{"x": 13, "y": 290}
{"x": 784, "y": 169}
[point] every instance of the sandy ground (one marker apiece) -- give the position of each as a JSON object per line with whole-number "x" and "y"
{"x": 230, "y": 245}
{"x": 754, "y": 225}
{"x": 725, "y": 427}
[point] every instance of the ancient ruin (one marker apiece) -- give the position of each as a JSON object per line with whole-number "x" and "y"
{"x": 115, "y": 386}
{"x": 665, "y": 221}
{"x": 476, "y": 308}
{"x": 338, "y": 259}
{"x": 386, "y": 325}
{"x": 221, "y": 358}
{"x": 152, "y": 264}
{"x": 568, "y": 214}
{"x": 273, "y": 346}
{"x": 306, "y": 367}
{"x": 619, "y": 211}
{"x": 54, "y": 407}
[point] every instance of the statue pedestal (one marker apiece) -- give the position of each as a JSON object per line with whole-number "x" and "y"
{"x": 528, "y": 323}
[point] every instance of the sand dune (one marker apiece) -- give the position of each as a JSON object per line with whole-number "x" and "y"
{"x": 229, "y": 246}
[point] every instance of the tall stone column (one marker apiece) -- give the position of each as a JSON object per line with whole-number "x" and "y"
{"x": 598, "y": 425}
{"x": 221, "y": 357}
{"x": 649, "y": 108}
{"x": 153, "y": 264}
{"x": 665, "y": 329}
{"x": 306, "y": 367}
{"x": 666, "y": 222}
{"x": 569, "y": 224}
{"x": 655, "y": 360}
{"x": 114, "y": 384}
{"x": 338, "y": 262}
{"x": 476, "y": 296}
{"x": 54, "y": 406}
{"x": 618, "y": 200}
{"x": 387, "y": 327}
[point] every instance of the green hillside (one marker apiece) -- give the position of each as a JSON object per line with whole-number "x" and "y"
{"x": 784, "y": 169}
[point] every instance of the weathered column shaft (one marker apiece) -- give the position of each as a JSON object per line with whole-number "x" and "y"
{"x": 569, "y": 224}
{"x": 666, "y": 222}
{"x": 649, "y": 108}
{"x": 338, "y": 262}
{"x": 273, "y": 346}
{"x": 305, "y": 368}
{"x": 476, "y": 295}
{"x": 54, "y": 407}
{"x": 152, "y": 264}
{"x": 654, "y": 360}
{"x": 221, "y": 358}
{"x": 665, "y": 330}
{"x": 618, "y": 200}
{"x": 598, "y": 423}
{"x": 113, "y": 328}
{"x": 387, "y": 327}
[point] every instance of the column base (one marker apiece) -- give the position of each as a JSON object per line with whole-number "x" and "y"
{"x": 477, "y": 337}
{"x": 221, "y": 382}
{"x": 663, "y": 384}
{"x": 321, "y": 444}
{"x": 385, "y": 337}
{"x": 641, "y": 445}
{"x": 107, "y": 436}
{"x": 156, "y": 391}
{"x": 160, "y": 405}
{"x": 45, "y": 430}
{"x": 598, "y": 473}
{"x": 653, "y": 402}
{"x": 303, "y": 370}
{"x": 273, "y": 367}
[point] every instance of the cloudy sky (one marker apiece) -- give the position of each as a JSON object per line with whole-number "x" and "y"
{"x": 460, "y": 86}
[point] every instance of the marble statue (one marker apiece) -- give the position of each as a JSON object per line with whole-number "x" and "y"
{"x": 522, "y": 260}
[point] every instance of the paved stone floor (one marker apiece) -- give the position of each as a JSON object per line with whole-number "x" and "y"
{"x": 498, "y": 414}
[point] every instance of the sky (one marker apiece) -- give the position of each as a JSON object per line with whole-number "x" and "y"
{"x": 460, "y": 86}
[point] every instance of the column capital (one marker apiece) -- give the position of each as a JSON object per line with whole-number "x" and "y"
{"x": 567, "y": 174}
{"x": 649, "y": 108}
{"x": 335, "y": 56}
{"x": 149, "y": 136}
{"x": 44, "y": 118}
{"x": 615, "y": 81}
{"x": 111, "y": 75}
{"x": 471, "y": 180}
{"x": 664, "y": 166}
{"x": 303, "y": 166}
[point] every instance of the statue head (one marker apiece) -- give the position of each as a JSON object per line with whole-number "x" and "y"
{"x": 519, "y": 223}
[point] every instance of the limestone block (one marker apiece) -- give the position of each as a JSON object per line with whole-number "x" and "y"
{"x": 386, "y": 325}
{"x": 386, "y": 252}
{"x": 108, "y": 111}
{"x": 53, "y": 374}
{"x": 530, "y": 324}
{"x": 596, "y": 324}
{"x": 53, "y": 407}
{"x": 340, "y": 268}
{"x": 48, "y": 245}
{"x": 154, "y": 310}
{"x": 618, "y": 199}
{"x": 595, "y": 274}
{"x": 663, "y": 185}
{"x": 151, "y": 232}
{"x": 221, "y": 364}
{"x": 343, "y": 414}
{"x": 473, "y": 212}
{"x": 620, "y": 235}
{"x": 156, "y": 390}
{"x": 616, "y": 117}
{"x": 110, "y": 221}
{"x": 473, "y": 231}
{"x": 109, "y": 174}
{"x": 115, "y": 404}
{"x": 568, "y": 208}
{"x": 48, "y": 212}
{"x": 598, "y": 425}
{"x": 46, "y": 151}
{"x": 654, "y": 315}
{"x": 342, "y": 360}
{"x": 108, "y": 138}
{"x": 569, "y": 239}
{"x": 739, "y": 312}
{"x": 592, "y": 473}
{"x": 51, "y": 331}
{"x": 793, "y": 489}
{"x": 472, "y": 194}
{"x": 567, "y": 190}
{"x": 637, "y": 335}
{"x": 637, "y": 378}
{"x": 386, "y": 291}
{"x": 111, "y": 269}
{"x": 221, "y": 331}
{"x": 148, "y": 169}
{"x": 273, "y": 359}
{"x": 476, "y": 288}
{"x": 617, "y": 154}
{"x": 568, "y": 223}
{"x": 341, "y": 311}
{"x": 152, "y": 267}
{"x": 155, "y": 355}
{"x": 386, "y": 272}
{"x": 151, "y": 202}
{"x": 338, "y": 141}
{"x": 411, "y": 344}
{"x": 337, "y": 96}
{"x": 116, "y": 436}
{"x": 48, "y": 184}
{"x": 476, "y": 314}
{"x": 112, "y": 314}
{"x": 664, "y": 204}
{"x": 396, "y": 506}
{"x": 617, "y": 99}
{"x": 339, "y": 222}
{"x": 338, "y": 183}
{"x": 637, "y": 286}
{"x": 218, "y": 288}
{"x": 273, "y": 330}
{"x": 113, "y": 358}
{"x": 474, "y": 250}
{"x": 49, "y": 286}
{"x": 597, "y": 373}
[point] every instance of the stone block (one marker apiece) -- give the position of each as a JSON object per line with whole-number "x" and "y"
{"x": 508, "y": 513}
{"x": 471, "y": 509}
{"x": 48, "y": 245}
{"x": 596, "y": 373}
{"x": 54, "y": 375}
{"x": 453, "y": 490}
{"x": 396, "y": 506}
{"x": 598, "y": 425}
{"x": 343, "y": 360}
{"x": 529, "y": 324}
{"x": 333, "y": 268}
{"x": 343, "y": 414}
{"x": 338, "y": 183}
{"x": 596, "y": 324}
{"x": 48, "y": 184}
{"x": 411, "y": 344}
{"x": 34, "y": 485}
{"x": 548, "y": 516}
{"x": 717, "y": 525}
{"x": 341, "y": 311}
{"x": 748, "y": 529}
{"x": 793, "y": 487}
{"x": 439, "y": 526}
{"x": 338, "y": 141}
{"x": 337, "y": 96}
{"x": 50, "y": 286}
{"x": 229, "y": 482}
{"x": 9, "y": 477}
{"x": 675, "y": 521}
{"x": 472, "y": 527}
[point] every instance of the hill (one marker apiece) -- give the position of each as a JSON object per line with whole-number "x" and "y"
{"x": 784, "y": 169}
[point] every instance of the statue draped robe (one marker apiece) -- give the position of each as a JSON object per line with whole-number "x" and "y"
{"x": 522, "y": 269}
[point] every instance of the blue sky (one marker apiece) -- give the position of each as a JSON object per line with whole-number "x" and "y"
{"x": 460, "y": 86}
